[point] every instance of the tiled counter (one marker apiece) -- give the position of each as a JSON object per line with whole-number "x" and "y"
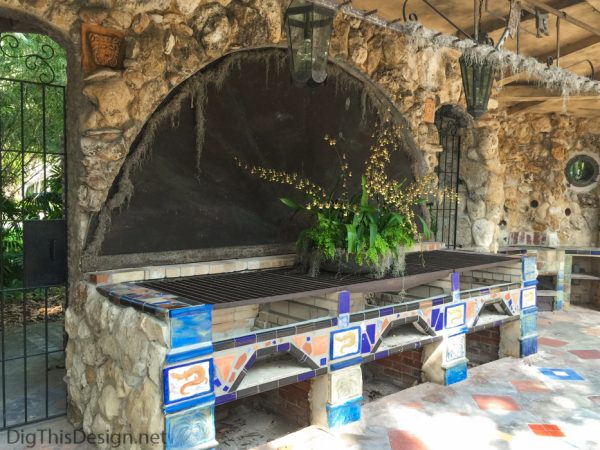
{"x": 201, "y": 370}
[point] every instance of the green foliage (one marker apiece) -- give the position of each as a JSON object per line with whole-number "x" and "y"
{"x": 14, "y": 212}
{"x": 374, "y": 224}
{"x": 47, "y": 65}
{"x": 32, "y": 140}
{"x": 368, "y": 234}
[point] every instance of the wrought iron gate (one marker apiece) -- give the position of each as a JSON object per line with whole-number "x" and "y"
{"x": 445, "y": 211}
{"x": 33, "y": 289}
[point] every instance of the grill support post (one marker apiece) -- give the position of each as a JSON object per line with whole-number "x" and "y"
{"x": 188, "y": 377}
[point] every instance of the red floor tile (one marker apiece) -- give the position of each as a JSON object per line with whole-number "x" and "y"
{"x": 530, "y": 386}
{"x": 545, "y": 429}
{"x": 551, "y": 342}
{"x": 587, "y": 354}
{"x": 498, "y": 402}
{"x": 414, "y": 405}
{"x": 403, "y": 440}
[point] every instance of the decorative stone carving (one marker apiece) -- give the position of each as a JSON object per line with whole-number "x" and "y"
{"x": 101, "y": 47}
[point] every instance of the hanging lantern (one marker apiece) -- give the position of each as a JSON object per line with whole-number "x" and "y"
{"x": 477, "y": 77}
{"x": 309, "y": 29}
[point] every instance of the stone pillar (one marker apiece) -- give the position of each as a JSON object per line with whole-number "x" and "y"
{"x": 483, "y": 174}
{"x": 336, "y": 397}
{"x": 445, "y": 362}
{"x": 510, "y": 343}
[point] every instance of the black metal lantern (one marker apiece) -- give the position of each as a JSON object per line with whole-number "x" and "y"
{"x": 477, "y": 77}
{"x": 309, "y": 29}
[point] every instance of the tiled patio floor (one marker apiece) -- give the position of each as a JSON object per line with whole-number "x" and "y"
{"x": 549, "y": 401}
{"x": 538, "y": 403}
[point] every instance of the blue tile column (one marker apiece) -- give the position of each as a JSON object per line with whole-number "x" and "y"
{"x": 529, "y": 310}
{"x": 455, "y": 327}
{"x": 529, "y": 334}
{"x": 344, "y": 407}
{"x": 560, "y": 286}
{"x": 455, "y": 359}
{"x": 188, "y": 377}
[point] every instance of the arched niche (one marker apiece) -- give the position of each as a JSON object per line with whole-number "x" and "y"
{"x": 180, "y": 195}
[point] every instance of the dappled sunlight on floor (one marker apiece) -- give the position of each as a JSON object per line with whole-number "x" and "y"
{"x": 548, "y": 401}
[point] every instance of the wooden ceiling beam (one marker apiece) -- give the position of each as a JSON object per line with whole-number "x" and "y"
{"x": 523, "y": 108}
{"x": 535, "y": 93}
{"x": 492, "y": 24}
{"x": 570, "y": 54}
{"x": 563, "y": 15}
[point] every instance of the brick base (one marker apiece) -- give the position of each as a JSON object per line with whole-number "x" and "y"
{"x": 290, "y": 402}
{"x": 403, "y": 368}
{"x": 483, "y": 346}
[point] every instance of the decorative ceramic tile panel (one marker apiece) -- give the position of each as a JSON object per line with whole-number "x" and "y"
{"x": 530, "y": 272}
{"x": 192, "y": 428}
{"x": 456, "y": 316}
{"x": 455, "y": 347}
{"x": 188, "y": 381}
{"x": 345, "y": 343}
{"x": 528, "y": 298}
{"x": 562, "y": 374}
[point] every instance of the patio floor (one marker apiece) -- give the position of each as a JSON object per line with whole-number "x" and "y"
{"x": 547, "y": 401}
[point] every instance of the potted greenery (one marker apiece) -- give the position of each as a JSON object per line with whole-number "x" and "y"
{"x": 362, "y": 233}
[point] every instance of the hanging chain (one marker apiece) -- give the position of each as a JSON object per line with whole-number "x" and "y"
{"x": 480, "y": 15}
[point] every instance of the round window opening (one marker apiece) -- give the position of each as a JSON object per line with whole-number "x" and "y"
{"x": 582, "y": 170}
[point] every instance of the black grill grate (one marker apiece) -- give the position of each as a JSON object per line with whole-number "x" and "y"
{"x": 281, "y": 284}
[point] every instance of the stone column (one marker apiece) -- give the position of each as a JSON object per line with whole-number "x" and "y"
{"x": 483, "y": 174}
{"x": 510, "y": 339}
{"x": 445, "y": 362}
{"x": 336, "y": 397}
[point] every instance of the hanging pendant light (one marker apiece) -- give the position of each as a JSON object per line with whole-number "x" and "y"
{"x": 477, "y": 76}
{"x": 309, "y": 30}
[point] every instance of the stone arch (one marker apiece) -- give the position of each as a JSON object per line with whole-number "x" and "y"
{"x": 192, "y": 93}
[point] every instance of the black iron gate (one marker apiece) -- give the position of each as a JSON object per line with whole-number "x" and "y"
{"x": 33, "y": 289}
{"x": 445, "y": 211}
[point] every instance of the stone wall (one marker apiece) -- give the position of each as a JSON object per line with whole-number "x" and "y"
{"x": 114, "y": 367}
{"x": 167, "y": 41}
{"x": 534, "y": 151}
